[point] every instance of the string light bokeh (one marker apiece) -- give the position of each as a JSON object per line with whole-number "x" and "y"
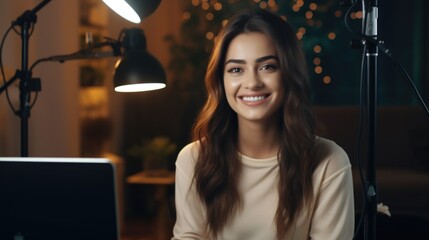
{"x": 319, "y": 29}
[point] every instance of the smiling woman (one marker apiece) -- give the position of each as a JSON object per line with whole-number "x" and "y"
{"x": 256, "y": 131}
{"x": 253, "y": 80}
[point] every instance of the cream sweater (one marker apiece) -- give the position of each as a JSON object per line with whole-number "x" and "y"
{"x": 330, "y": 217}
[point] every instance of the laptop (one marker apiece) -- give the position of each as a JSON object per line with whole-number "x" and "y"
{"x": 58, "y": 198}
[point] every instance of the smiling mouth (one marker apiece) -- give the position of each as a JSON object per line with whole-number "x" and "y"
{"x": 254, "y": 98}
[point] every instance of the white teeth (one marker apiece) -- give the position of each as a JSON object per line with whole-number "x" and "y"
{"x": 253, "y": 99}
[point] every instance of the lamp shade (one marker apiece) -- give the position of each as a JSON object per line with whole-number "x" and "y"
{"x": 133, "y": 10}
{"x": 138, "y": 70}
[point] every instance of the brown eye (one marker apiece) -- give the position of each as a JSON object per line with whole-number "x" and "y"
{"x": 268, "y": 67}
{"x": 234, "y": 70}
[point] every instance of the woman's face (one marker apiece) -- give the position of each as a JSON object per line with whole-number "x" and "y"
{"x": 252, "y": 77}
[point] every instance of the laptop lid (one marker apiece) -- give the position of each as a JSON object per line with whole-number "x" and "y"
{"x": 58, "y": 198}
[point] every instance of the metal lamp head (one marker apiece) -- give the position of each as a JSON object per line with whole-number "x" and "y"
{"x": 138, "y": 70}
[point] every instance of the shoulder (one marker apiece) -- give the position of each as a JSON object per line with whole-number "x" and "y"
{"x": 331, "y": 151}
{"x": 189, "y": 151}
{"x": 333, "y": 158}
{"x": 187, "y": 157}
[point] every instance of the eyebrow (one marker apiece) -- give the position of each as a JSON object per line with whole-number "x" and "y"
{"x": 258, "y": 60}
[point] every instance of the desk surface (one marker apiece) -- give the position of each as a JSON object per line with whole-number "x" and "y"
{"x": 146, "y": 178}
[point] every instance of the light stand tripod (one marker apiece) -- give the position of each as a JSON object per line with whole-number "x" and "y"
{"x": 137, "y": 71}
{"x": 27, "y": 84}
{"x": 372, "y": 46}
{"x": 370, "y": 14}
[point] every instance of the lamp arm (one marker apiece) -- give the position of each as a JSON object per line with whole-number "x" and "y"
{"x": 86, "y": 53}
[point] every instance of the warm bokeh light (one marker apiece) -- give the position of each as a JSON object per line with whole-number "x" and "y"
{"x": 327, "y": 79}
{"x": 338, "y": 13}
{"x": 332, "y": 35}
{"x": 217, "y": 6}
{"x": 313, "y": 6}
{"x": 299, "y": 35}
{"x": 263, "y": 5}
{"x": 295, "y": 8}
{"x": 356, "y": 15}
{"x": 205, "y": 5}
{"x": 209, "y": 16}
{"x": 309, "y": 15}
{"x": 317, "y": 48}
{"x": 272, "y": 3}
{"x": 318, "y": 69}
{"x": 317, "y": 61}
{"x": 302, "y": 30}
{"x": 359, "y": 15}
{"x": 186, "y": 15}
{"x": 209, "y": 35}
{"x": 195, "y": 2}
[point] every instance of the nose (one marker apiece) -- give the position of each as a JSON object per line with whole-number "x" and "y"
{"x": 253, "y": 81}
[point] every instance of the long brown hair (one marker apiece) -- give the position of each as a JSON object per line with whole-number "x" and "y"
{"x": 218, "y": 166}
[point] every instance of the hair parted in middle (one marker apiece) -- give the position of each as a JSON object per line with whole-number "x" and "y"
{"x": 218, "y": 166}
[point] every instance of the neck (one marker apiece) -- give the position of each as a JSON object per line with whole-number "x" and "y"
{"x": 258, "y": 140}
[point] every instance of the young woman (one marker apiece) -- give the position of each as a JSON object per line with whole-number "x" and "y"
{"x": 256, "y": 169}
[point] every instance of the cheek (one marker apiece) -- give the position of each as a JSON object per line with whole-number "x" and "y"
{"x": 231, "y": 86}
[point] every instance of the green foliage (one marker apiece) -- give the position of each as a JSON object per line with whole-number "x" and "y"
{"x": 158, "y": 147}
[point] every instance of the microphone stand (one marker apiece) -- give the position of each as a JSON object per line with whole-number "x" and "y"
{"x": 25, "y": 21}
{"x": 370, "y": 10}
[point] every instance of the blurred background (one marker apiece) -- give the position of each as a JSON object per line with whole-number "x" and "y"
{"x": 78, "y": 114}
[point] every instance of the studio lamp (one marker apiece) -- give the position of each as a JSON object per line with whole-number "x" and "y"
{"x": 137, "y": 70}
{"x": 133, "y": 10}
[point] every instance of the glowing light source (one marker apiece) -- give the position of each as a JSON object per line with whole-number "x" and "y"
{"x": 359, "y": 15}
{"x": 133, "y": 10}
{"x": 195, "y": 2}
{"x": 271, "y": 3}
{"x": 186, "y": 15}
{"x": 309, "y": 15}
{"x": 209, "y": 35}
{"x": 217, "y": 6}
{"x": 205, "y": 6}
{"x": 263, "y": 5}
{"x": 124, "y": 10}
{"x": 327, "y": 80}
{"x": 318, "y": 69}
{"x": 209, "y": 16}
{"x": 316, "y": 61}
{"x": 317, "y": 48}
{"x": 338, "y": 13}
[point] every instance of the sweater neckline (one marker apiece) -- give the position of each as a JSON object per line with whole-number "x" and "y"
{"x": 259, "y": 162}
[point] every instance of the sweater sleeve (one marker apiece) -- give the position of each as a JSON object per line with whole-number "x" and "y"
{"x": 333, "y": 216}
{"x": 189, "y": 210}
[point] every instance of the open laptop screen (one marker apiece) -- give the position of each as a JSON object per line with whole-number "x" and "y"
{"x": 58, "y": 198}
